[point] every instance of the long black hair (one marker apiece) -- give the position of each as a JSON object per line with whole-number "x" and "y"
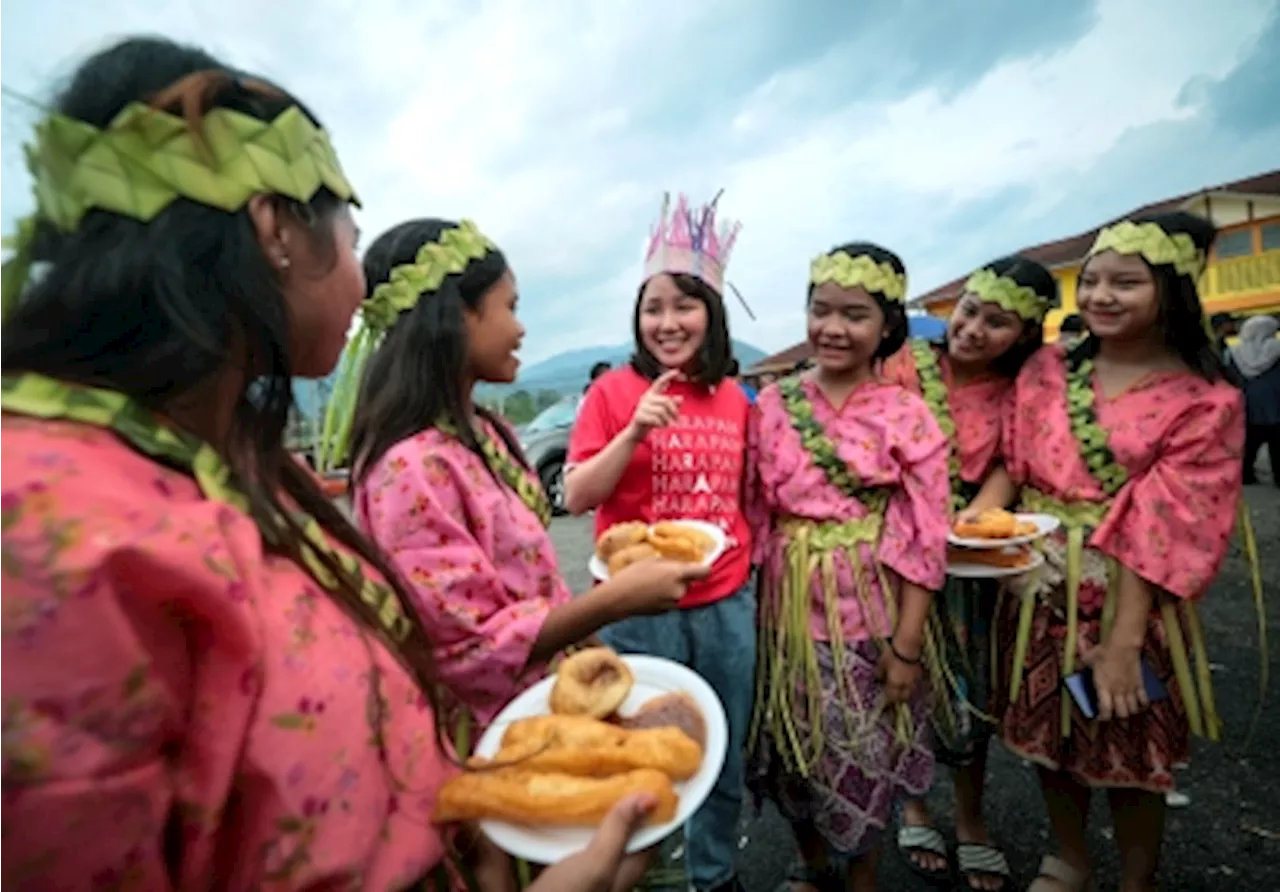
{"x": 895, "y": 310}
{"x": 716, "y": 352}
{"x": 1181, "y": 313}
{"x": 1030, "y": 274}
{"x": 162, "y": 311}
{"x": 417, "y": 377}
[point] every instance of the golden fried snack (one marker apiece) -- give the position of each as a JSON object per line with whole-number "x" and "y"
{"x": 590, "y": 748}
{"x": 592, "y": 682}
{"x": 669, "y": 711}
{"x": 677, "y": 548}
{"x": 1005, "y": 558}
{"x": 994, "y": 523}
{"x": 673, "y": 529}
{"x": 632, "y": 554}
{"x": 620, "y": 536}
{"x": 522, "y": 796}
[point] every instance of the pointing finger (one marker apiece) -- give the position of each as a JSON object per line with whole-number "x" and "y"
{"x": 662, "y": 381}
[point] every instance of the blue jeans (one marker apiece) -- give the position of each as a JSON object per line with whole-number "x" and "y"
{"x": 719, "y": 643}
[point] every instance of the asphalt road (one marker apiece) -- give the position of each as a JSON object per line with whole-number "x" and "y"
{"x": 1227, "y": 838}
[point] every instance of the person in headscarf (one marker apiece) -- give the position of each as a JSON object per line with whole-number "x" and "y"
{"x": 1256, "y": 361}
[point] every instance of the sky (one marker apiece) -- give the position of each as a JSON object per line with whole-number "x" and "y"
{"x": 952, "y": 133}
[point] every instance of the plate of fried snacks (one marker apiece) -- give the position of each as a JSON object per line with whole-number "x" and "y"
{"x": 997, "y": 528}
{"x": 624, "y": 544}
{"x": 992, "y": 563}
{"x": 563, "y": 753}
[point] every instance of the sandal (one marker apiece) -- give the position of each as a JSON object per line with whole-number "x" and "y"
{"x": 975, "y": 860}
{"x": 919, "y": 838}
{"x": 1057, "y": 875}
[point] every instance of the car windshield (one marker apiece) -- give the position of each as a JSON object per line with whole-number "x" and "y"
{"x": 559, "y": 415}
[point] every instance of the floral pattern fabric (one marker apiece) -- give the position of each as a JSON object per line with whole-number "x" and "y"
{"x": 977, "y": 407}
{"x": 479, "y": 562}
{"x": 163, "y": 675}
{"x": 890, "y": 441}
{"x": 1178, "y": 439}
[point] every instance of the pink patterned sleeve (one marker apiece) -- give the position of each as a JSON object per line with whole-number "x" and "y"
{"x": 114, "y": 629}
{"x": 914, "y": 542}
{"x": 1172, "y": 523}
{"x": 483, "y": 632}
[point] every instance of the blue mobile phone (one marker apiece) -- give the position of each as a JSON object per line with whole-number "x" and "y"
{"x": 1080, "y": 686}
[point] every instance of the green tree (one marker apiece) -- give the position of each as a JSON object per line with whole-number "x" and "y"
{"x": 519, "y": 407}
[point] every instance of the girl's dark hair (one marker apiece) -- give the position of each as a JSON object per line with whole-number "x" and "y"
{"x": 1028, "y": 273}
{"x": 162, "y": 311}
{"x": 895, "y": 311}
{"x": 1181, "y": 313}
{"x": 417, "y": 377}
{"x": 716, "y": 352}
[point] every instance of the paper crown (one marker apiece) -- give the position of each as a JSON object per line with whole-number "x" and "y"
{"x": 685, "y": 241}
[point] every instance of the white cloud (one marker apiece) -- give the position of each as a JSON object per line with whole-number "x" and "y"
{"x": 544, "y": 123}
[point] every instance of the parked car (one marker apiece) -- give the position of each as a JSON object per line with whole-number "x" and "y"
{"x": 545, "y": 441}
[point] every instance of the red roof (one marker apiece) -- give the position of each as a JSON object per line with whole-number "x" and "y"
{"x": 1072, "y": 249}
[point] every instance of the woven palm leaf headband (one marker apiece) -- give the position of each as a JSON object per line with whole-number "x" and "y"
{"x": 1153, "y": 244}
{"x": 448, "y": 254}
{"x": 147, "y": 158}
{"x": 1007, "y": 294}
{"x": 860, "y": 271}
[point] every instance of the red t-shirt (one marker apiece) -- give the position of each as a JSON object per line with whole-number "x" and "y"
{"x": 691, "y": 470}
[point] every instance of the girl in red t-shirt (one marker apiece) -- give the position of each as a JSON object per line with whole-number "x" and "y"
{"x": 664, "y": 438}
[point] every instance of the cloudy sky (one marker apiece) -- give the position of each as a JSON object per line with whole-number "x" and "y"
{"x": 950, "y": 132}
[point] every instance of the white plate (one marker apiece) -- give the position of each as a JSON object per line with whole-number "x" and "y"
{"x": 985, "y": 571}
{"x": 1045, "y": 524}
{"x": 600, "y": 570}
{"x": 654, "y": 677}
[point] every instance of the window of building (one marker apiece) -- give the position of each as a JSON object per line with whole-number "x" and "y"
{"x": 1234, "y": 244}
{"x": 1271, "y": 237}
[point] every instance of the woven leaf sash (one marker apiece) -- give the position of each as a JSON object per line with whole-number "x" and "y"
{"x": 815, "y": 440}
{"x": 511, "y": 473}
{"x": 933, "y": 388}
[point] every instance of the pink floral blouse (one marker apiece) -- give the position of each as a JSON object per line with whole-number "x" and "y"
{"x": 889, "y": 439}
{"x": 977, "y": 408}
{"x": 1179, "y": 437}
{"x": 481, "y": 565}
{"x": 182, "y": 710}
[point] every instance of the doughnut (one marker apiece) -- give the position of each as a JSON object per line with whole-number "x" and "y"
{"x": 669, "y": 711}
{"x": 632, "y": 554}
{"x": 620, "y": 536}
{"x": 994, "y": 523}
{"x": 592, "y": 682}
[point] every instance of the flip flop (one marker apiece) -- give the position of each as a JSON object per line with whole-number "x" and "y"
{"x": 918, "y": 838}
{"x": 977, "y": 860}
{"x": 1056, "y": 875}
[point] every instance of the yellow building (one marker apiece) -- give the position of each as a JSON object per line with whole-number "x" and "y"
{"x": 1243, "y": 276}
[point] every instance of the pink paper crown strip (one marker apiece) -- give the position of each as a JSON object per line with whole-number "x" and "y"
{"x": 687, "y": 242}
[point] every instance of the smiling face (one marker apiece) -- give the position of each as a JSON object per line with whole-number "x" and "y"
{"x": 1117, "y": 296}
{"x": 980, "y": 332}
{"x": 494, "y": 334}
{"x": 673, "y": 325}
{"x": 845, "y": 326}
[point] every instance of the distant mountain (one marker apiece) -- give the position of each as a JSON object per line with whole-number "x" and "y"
{"x": 564, "y": 373}
{"x": 567, "y": 372}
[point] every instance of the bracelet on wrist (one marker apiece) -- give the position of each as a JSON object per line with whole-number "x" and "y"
{"x": 901, "y": 657}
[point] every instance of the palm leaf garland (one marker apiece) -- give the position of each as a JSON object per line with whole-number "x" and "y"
{"x": 510, "y": 472}
{"x": 815, "y": 440}
{"x": 934, "y": 391}
{"x": 1089, "y": 434}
